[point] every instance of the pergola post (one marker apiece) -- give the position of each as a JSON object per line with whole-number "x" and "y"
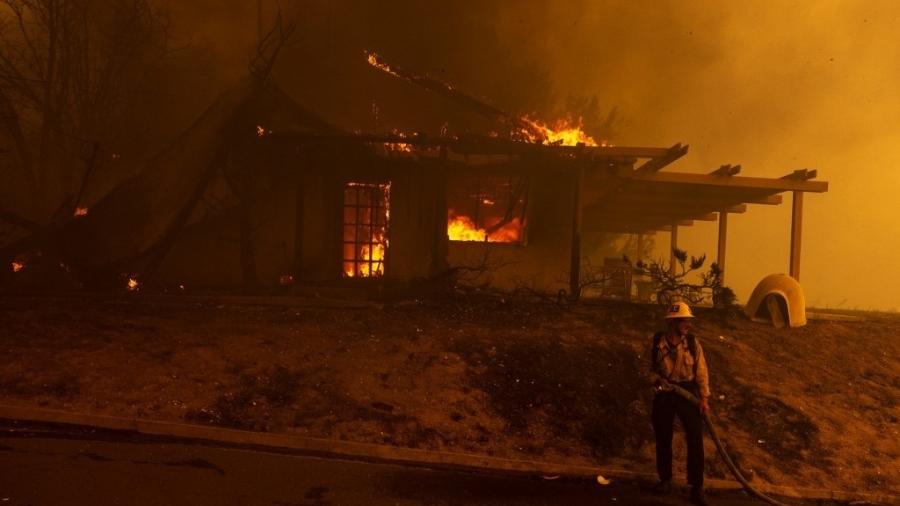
{"x": 796, "y": 233}
{"x": 723, "y": 233}
{"x": 575, "y": 265}
{"x": 672, "y": 248}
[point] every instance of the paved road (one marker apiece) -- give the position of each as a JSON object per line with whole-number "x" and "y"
{"x": 43, "y": 471}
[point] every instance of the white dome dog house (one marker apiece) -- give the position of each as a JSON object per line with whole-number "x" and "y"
{"x": 778, "y": 299}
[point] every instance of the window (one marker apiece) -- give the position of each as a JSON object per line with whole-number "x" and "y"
{"x": 365, "y": 236}
{"x": 486, "y": 209}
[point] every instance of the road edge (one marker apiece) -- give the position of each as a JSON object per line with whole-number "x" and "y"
{"x": 369, "y": 452}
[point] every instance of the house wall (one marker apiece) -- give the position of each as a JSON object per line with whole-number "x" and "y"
{"x": 542, "y": 262}
{"x": 208, "y": 254}
{"x": 416, "y": 214}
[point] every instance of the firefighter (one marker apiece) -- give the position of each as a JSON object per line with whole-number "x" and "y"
{"x": 676, "y": 358}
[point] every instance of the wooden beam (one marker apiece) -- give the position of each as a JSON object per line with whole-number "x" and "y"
{"x": 634, "y": 227}
{"x": 770, "y": 200}
{"x": 656, "y": 164}
{"x": 646, "y": 229}
{"x": 776, "y": 185}
{"x": 664, "y": 214}
{"x": 802, "y": 174}
{"x": 640, "y": 200}
{"x": 726, "y": 170}
{"x": 796, "y": 233}
{"x": 723, "y": 235}
{"x": 472, "y": 144}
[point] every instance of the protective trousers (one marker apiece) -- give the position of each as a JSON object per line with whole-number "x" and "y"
{"x": 665, "y": 406}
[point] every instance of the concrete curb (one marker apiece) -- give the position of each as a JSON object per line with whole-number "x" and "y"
{"x": 385, "y": 454}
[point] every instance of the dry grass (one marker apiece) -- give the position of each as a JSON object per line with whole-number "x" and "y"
{"x": 816, "y": 406}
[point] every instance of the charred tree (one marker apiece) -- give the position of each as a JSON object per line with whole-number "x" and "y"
{"x": 70, "y": 70}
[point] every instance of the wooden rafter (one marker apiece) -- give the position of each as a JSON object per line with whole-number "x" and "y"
{"x": 726, "y": 170}
{"x": 761, "y": 183}
{"x": 475, "y": 144}
{"x": 656, "y": 164}
{"x": 802, "y": 174}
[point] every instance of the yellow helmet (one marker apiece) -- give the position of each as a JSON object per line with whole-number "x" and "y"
{"x": 679, "y": 310}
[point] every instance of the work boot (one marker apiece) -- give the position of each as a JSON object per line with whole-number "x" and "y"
{"x": 698, "y": 497}
{"x": 663, "y": 488}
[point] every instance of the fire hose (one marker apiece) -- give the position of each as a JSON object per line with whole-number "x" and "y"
{"x": 715, "y": 437}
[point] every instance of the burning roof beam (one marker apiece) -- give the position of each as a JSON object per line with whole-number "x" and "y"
{"x": 478, "y": 144}
{"x": 450, "y": 93}
{"x": 657, "y": 164}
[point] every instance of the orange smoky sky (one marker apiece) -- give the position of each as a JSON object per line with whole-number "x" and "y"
{"x": 773, "y": 86}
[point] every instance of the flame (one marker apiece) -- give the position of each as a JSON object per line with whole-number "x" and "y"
{"x": 133, "y": 284}
{"x": 564, "y": 132}
{"x": 376, "y": 255}
{"x": 17, "y": 266}
{"x": 399, "y": 147}
{"x": 462, "y": 228}
{"x": 375, "y": 61}
{"x": 81, "y": 211}
{"x": 261, "y": 131}
{"x": 369, "y": 261}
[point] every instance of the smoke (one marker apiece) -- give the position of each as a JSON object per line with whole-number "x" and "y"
{"x": 774, "y": 86}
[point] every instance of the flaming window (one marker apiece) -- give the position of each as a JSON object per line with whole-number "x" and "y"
{"x": 366, "y": 215}
{"x": 487, "y": 208}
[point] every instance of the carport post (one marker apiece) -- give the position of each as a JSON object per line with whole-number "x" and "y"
{"x": 723, "y": 233}
{"x": 674, "y": 246}
{"x": 796, "y": 233}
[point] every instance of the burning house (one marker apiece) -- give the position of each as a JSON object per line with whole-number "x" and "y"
{"x": 262, "y": 192}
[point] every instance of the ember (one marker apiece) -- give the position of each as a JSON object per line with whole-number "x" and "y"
{"x": 17, "y": 266}
{"x": 398, "y": 147}
{"x": 133, "y": 284}
{"x": 81, "y": 211}
{"x": 286, "y": 280}
{"x": 375, "y": 61}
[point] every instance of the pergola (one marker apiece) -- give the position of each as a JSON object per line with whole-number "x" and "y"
{"x": 642, "y": 199}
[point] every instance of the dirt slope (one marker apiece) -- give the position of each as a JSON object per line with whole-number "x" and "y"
{"x": 816, "y": 406}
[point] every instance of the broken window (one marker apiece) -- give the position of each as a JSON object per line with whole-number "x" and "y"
{"x": 487, "y": 208}
{"x": 365, "y": 236}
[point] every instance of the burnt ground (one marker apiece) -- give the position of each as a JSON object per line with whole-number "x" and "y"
{"x": 816, "y": 406}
